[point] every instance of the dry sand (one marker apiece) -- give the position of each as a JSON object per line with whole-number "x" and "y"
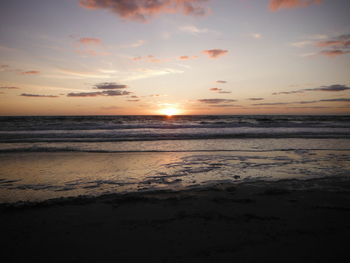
{"x": 285, "y": 221}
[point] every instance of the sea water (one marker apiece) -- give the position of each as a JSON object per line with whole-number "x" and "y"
{"x": 60, "y": 156}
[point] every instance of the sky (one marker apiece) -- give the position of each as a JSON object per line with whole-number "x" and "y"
{"x": 141, "y": 57}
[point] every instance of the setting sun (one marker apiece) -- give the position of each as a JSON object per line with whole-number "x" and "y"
{"x": 169, "y": 111}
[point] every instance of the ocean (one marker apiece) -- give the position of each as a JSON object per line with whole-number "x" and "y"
{"x": 66, "y": 156}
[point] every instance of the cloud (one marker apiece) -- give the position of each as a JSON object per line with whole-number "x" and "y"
{"x": 90, "y": 41}
{"x": 330, "y": 88}
{"x": 274, "y": 5}
{"x": 99, "y": 93}
{"x": 90, "y": 46}
{"x": 9, "y": 88}
{"x": 187, "y": 57}
{"x": 215, "y": 53}
{"x": 255, "y": 99}
{"x": 216, "y": 101}
{"x": 193, "y": 29}
{"x": 304, "y": 102}
{"x": 30, "y": 72}
{"x": 339, "y": 99}
{"x": 337, "y": 46}
{"x": 225, "y": 105}
{"x": 144, "y": 10}
{"x": 334, "y": 53}
{"x": 38, "y": 96}
{"x": 134, "y": 100}
{"x": 110, "y": 86}
{"x": 149, "y": 58}
{"x": 218, "y": 90}
{"x": 221, "y": 81}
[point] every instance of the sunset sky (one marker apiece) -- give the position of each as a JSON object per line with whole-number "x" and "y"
{"x": 92, "y": 57}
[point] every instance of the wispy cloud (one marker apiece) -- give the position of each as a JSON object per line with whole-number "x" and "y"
{"x": 275, "y": 5}
{"x": 191, "y": 29}
{"x": 187, "y": 57}
{"x": 30, "y": 72}
{"x": 216, "y": 101}
{"x": 221, "y": 81}
{"x": 110, "y": 86}
{"x": 38, "y": 95}
{"x": 330, "y": 88}
{"x": 337, "y": 46}
{"x": 99, "y": 93}
{"x": 215, "y": 53}
{"x": 90, "y": 41}
{"x": 303, "y": 102}
{"x": 144, "y": 10}
{"x": 149, "y": 58}
{"x": 9, "y": 87}
{"x": 331, "y": 47}
{"x": 219, "y": 90}
{"x": 255, "y": 99}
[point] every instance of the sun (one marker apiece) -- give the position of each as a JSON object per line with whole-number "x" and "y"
{"x": 169, "y": 111}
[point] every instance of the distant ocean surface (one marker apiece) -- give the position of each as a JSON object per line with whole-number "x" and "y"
{"x": 57, "y": 156}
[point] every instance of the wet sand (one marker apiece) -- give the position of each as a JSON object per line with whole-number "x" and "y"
{"x": 283, "y": 221}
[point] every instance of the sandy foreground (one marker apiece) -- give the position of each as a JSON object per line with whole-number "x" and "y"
{"x": 284, "y": 221}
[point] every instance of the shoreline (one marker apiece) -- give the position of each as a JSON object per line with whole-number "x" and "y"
{"x": 287, "y": 220}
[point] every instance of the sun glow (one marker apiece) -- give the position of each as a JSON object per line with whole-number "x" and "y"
{"x": 169, "y": 111}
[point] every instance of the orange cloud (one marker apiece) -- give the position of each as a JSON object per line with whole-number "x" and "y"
{"x": 90, "y": 41}
{"x": 187, "y": 57}
{"x": 143, "y": 10}
{"x": 215, "y": 53}
{"x": 279, "y": 4}
{"x": 30, "y": 72}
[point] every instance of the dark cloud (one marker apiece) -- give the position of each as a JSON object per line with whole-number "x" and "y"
{"x": 99, "y": 93}
{"x": 274, "y": 5}
{"x": 144, "y": 10}
{"x": 272, "y": 103}
{"x": 110, "y": 86}
{"x": 133, "y": 100}
{"x": 330, "y": 88}
{"x": 254, "y": 99}
{"x": 215, "y": 53}
{"x": 221, "y": 81}
{"x": 38, "y": 96}
{"x": 216, "y": 101}
{"x": 304, "y": 102}
{"x": 338, "y": 99}
{"x": 224, "y": 92}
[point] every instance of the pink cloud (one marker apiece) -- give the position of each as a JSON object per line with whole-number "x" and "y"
{"x": 333, "y": 53}
{"x": 90, "y": 41}
{"x": 143, "y": 10}
{"x": 279, "y": 4}
{"x": 215, "y": 53}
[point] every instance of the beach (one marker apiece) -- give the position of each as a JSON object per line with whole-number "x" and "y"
{"x": 287, "y": 220}
{"x": 180, "y": 189}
